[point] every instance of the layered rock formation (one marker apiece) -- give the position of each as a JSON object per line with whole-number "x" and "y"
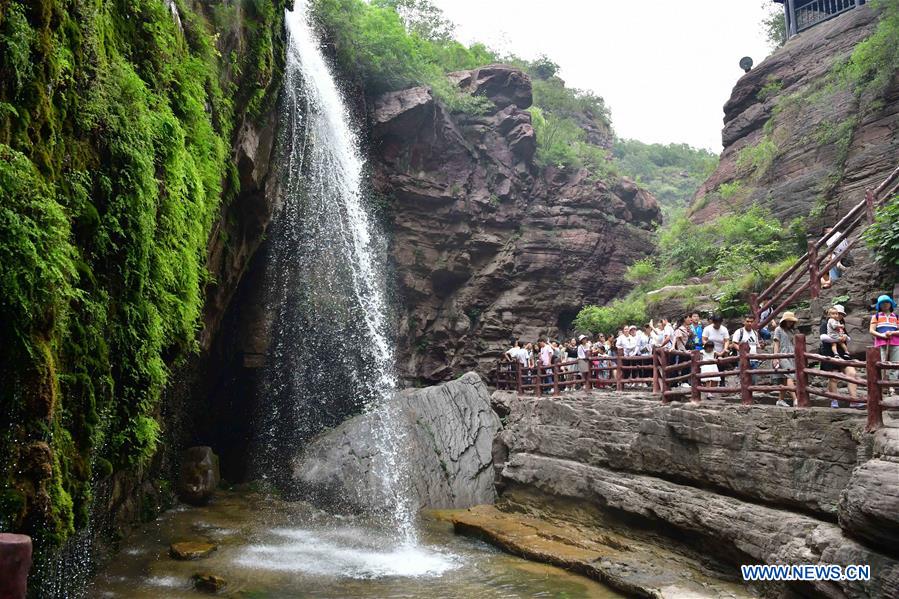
{"x": 486, "y": 245}
{"x": 738, "y": 484}
{"x": 447, "y": 434}
{"x": 799, "y": 138}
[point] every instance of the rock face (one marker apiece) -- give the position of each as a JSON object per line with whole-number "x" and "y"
{"x": 199, "y": 477}
{"x": 744, "y": 484}
{"x": 825, "y": 143}
{"x": 448, "y": 432}
{"x": 486, "y": 245}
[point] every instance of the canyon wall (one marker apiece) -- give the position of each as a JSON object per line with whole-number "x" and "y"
{"x": 486, "y": 245}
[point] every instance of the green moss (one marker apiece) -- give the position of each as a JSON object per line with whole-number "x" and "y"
{"x": 115, "y": 129}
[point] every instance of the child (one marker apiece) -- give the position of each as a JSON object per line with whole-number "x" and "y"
{"x": 708, "y": 353}
{"x": 836, "y": 329}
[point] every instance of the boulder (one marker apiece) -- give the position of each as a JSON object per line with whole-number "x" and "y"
{"x": 15, "y": 562}
{"x": 191, "y": 550}
{"x": 208, "y": 583}
{"x": 447, "y": 434}
{"x": 199, "y": 476}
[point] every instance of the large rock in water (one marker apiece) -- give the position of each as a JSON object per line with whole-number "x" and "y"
{"x": 488, "y": 245}
{"x": 447, "y": 431}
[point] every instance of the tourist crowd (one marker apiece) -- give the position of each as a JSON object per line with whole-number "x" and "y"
{"x": 713, "y": 340}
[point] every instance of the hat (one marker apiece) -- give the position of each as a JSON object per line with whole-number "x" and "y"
{"x": 839, "y": 308}
{"x": 788, "y": 316}
{"x": 582, "y": 337}
{"x": 886, "y": 298}
{"x": 634, "y": 327}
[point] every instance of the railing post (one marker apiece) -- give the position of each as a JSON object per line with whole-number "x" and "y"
{"x": 814, "y": 275}
{"x": 801, "y": 378}
{"x": 695, "y": 395}
{"x": 870, "y": 200}
{"x": 518, "y": 377}
{"x": 655, "y": 370}
{"x": 588, "y": 386}
{"x": 875, "y": 393}
{"x": 619, "y": 372}
{"x": 745, "y": 375}
{"x": 663, "y": 375}
{"x": 538, "y": 389}
{"x": 555, "y": 379}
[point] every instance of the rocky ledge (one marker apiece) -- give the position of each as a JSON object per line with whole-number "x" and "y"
{"x": 487, "y": 244}
{"x": 447, "y": 432}
{"x": 722, "y": 484}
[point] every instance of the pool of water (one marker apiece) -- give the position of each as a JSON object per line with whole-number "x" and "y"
{"x": 269, "y": 548}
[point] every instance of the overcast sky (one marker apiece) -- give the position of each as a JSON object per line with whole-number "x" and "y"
{"x": 665, "y": 67}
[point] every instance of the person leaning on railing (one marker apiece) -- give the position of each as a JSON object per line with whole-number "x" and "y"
{"x": 783, "y": 344}
{"x": 885, "y": 331}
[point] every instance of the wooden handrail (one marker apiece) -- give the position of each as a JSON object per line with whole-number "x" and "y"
{"x": 666, "y": 379}
{"x": 813, "y": 262}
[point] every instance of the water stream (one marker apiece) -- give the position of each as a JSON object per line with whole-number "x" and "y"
{"x": 332, "y": 350}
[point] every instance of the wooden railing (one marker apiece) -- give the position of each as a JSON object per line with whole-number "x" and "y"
{"x": 805, "y": 274}
{"x": 678, "y": 374}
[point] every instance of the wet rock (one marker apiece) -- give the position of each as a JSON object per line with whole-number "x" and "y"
{"x": 740, "y": 532}
{"x": 208, "y": 583}
{"x": 191, "y": 550}
{"x": 447, "y": 435}
{"x": 630, "y": 565}
{"x": 199, "y": 477}
{"x": 15, "y": 561}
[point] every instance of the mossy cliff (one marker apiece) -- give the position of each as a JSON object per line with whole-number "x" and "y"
{"x": 117, "y": 122}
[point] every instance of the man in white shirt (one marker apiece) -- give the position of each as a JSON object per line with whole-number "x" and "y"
{"x": 717, "y": 334}
{"x": 747, "y": 334}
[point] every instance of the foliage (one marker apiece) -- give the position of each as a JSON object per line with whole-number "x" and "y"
{"x": 609, "y": 318}
{"x": 672, "y": 172}
{"x": 774, "y": 26}
{"x": 874, "y": 62}
{"x": 758, "y": 159}
{"x": 771, "y": 88}
{"x": 883, "y": 235}
{"x": 641, "y": 272}
{"x": 730, "y": 244}
{"x": 376, "y": 46}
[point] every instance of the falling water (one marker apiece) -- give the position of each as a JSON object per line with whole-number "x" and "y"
{"x": 331, "y": 354}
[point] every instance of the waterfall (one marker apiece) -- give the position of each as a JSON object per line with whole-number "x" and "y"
{"x": 331, "y": 352}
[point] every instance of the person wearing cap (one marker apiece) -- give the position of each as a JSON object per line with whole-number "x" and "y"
{"x": 837, "y": 330}
{"x": 783, "y": 344}
{"x": 885, "y": 331}
{"x": 826, "y": 349}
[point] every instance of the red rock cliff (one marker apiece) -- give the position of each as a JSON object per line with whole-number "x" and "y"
{"x": 486, "y": 245}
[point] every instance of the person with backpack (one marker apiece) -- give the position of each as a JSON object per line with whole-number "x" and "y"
{"x": 885, "y": 331}
{"x": 826, "y": 349}
{"x": 696, "y": 329}
{"x": 747, "y": 334}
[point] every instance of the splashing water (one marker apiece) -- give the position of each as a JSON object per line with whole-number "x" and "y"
{"x": 331, "y": 353}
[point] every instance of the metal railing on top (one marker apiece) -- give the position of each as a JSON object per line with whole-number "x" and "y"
{"x": 818, "y": 11}
{"x": 805, "y": 274}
